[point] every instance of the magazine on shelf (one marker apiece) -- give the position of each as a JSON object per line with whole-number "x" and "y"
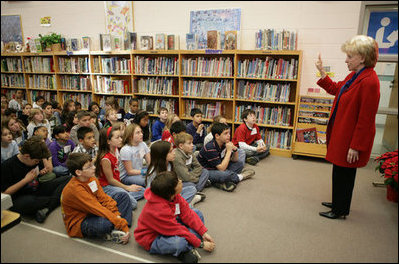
{"x": 307, "y": 135}
{"x": 74, "y": 44}
{"x": 173, "y": 42}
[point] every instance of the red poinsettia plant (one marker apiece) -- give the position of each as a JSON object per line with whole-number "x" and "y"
{"x": 388, "y": 167}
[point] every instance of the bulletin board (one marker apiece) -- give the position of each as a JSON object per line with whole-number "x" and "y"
{"x": 11, "y": 29}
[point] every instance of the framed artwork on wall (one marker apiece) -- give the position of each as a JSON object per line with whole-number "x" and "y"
{"x": 11, "y": 29}
{"x": 119, "y": 17}
{"x": 380, "y": 21}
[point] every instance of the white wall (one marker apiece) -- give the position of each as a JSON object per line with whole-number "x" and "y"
{"x": 322, "y": 25}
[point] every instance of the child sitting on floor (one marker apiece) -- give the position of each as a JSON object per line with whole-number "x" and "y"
{"x": 87, "y": 211}
{"x": 186, "y": 164}
{"x": 167, "y": 225}
{"x": 107, "y": 167}
{"x": 197, "y": 129}
{"x": 87, "y": 142}
{"x": 60, "y": 149}
{"x": 247, "y": 137}
{"x": 132, "y": 154}
{"x": 9, "y": 147}
{"x": 158, "y": 126}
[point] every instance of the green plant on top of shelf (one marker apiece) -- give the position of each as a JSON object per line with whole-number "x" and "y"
{"x": 48, "y": 40}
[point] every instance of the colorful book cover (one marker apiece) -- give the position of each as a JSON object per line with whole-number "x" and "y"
{"x": 63, "y": 43}
{"x": 32, "y": 45}
{"x": 38, "y": 45}
{"x": 86, "y": 43}
{"x": 117, "y": 42}
{"x": 213, "y": 39}
{"x": 230, "y": 40}
{"x": 160, "y": 41}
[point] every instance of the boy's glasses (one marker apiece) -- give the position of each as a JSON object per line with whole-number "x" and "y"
{"x": 89, "y": 168}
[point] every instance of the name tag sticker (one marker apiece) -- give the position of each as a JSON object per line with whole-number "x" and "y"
{"x": 67, "y": 149}
{"x": 189, "y": 161}
{"x": 177, "y": 210}
{"x": 93, "y": 186}
{"x": 119, "y": 115}
{"x": 223, "y": 153}
{"x": 254, "y": 132}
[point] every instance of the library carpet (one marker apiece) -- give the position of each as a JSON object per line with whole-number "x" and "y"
{"x": 272, "y": 217}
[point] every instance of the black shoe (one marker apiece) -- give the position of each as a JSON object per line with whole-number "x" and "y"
{"x": 208, "y": 184}
{"x": 251, "y": 161}
{"x": 41, "y": 215}
{"x": 188, "y": 257}
{"x": 331, "y": 215}
{"x": 327, "y": 204}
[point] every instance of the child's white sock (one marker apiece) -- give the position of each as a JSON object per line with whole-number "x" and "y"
{"x": 240, "y": 177}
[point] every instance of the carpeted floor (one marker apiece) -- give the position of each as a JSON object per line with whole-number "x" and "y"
{"x": 270, "y": 218}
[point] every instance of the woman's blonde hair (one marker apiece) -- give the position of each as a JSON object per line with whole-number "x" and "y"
{"x": 364, "y": 46}
{"x": 129, "y": 131}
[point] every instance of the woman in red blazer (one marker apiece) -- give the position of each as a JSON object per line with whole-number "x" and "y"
{"x": 351, "y": 128}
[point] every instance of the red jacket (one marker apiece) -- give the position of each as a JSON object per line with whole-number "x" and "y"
{"x": 243, "y": 134}
{"x": 158, "y": 218}
{"x": 354, "y": 124}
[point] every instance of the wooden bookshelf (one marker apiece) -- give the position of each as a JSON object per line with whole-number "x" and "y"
{"x": 175, "y": 80}
{"x": 312, "y": 111}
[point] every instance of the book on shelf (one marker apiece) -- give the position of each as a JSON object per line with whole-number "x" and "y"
{"x": 152, "y": 106}
{"x": 81, "y": 83}
{"x": 68, "y": 44}
{"x": 272, "y": 39}
{"x": 160, "y": 41}
{"x": 63, "y": 43}
{"x": 86, "y": 43}
{"x": 158, "y": 85}
{"x": 38, "y": 45}
{"x": 116, "y": 43}
{"x": 146, "y": 42}
{"x": 276, "y": 116}
{"x": 213, "y": 39}
{"x": 12, "y": 80}
{"x": 280, "y": 139}
{"x": 307, "y": 135}
{"x": 191, "y": 41}
{"x": 212, "y": 89}
{"x": 32, "y": 45}
{"x": 173, "y": 42}
{"x": 156, "y": 65}
{"x": 74, "y": 44}
{"x": 200, "y": 66}
{"x": 11, "y": 65}
{"x": 130, "y": 41}
{"x": 105, "y": 42}
{"x": 230, "y": 40}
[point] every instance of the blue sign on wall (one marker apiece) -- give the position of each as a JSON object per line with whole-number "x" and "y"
{"x": 383, "y": 27}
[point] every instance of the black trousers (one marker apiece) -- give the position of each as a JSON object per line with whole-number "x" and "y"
{"x": 343, "y": 181}
{"x": 48, "y": 195}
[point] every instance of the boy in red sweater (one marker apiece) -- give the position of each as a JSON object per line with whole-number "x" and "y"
{"x": 87, "y": 210}
{"x": 167, "y": 225}
{"x": 247, "y": 137}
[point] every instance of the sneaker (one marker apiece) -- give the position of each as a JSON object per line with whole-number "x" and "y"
{"x": 196, "y": 199}
{"x": 188, "y": 257}
{"x": 251, "y": 160}
{"x": 41, "y": 215}
{"x": 247, "y": 173}
{"x": 208, "y": 184}
{"x": 229, "y": 186}
{"x": 115, "y": 236}
{"x": 203, "y": 195}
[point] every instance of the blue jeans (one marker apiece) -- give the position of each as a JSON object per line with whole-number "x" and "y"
{"x": 201, "y": 182}
{"x": 97, "y": 226}
{"x": 61, "y": 171}
{"x": 134, "y": 196}
{"x": 174, "y": 245}
{"x": 136, "y": 179}
{"x": 228, "y": 175}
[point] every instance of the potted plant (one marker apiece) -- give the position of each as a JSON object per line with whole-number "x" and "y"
{"x": 51, "y": 42}
{"x": 388, "y": 167}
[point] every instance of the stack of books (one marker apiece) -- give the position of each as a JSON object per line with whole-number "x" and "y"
{"x": 277, "y": 138}
{"x": 272, "y": 39}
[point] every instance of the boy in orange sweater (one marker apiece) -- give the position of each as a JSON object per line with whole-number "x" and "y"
{"x": 87, "y": 211}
